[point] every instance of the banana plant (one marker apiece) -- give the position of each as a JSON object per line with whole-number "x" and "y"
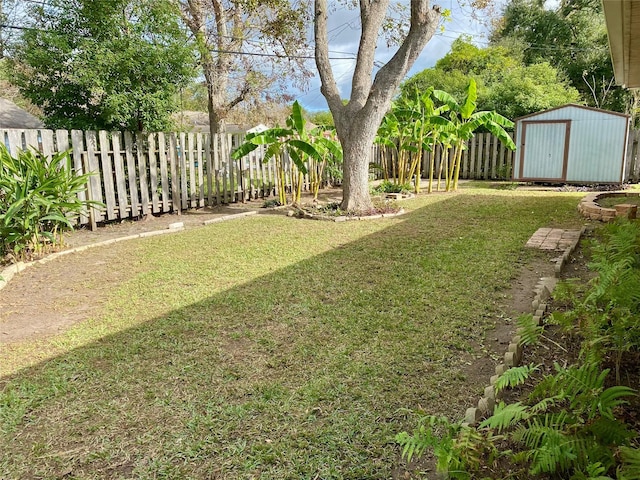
{"x": 327, "y": 145}
{"x": 293, "y": 141}
{"x": 465, "y": 122}
{"x": 413, "y": 126}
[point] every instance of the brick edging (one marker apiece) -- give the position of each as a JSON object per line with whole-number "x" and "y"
{"x": 8, "y": 273}
{"x": 513, "y": 355}
{"x": 589, "y": 208}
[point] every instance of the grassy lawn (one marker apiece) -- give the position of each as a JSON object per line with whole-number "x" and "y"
{"x": 271, "y": 347}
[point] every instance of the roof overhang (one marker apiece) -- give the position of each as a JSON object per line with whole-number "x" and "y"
{"x": 623, "y": 26}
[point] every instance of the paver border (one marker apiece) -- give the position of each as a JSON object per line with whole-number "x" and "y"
{"x": 12, "y": 270}
{"x": 589, "y": 208}
{"x": 513, "y": 356}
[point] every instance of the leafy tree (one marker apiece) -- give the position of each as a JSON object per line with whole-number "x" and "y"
{"x": 91, "y": 64}
{"x": 573, "y": 38}
{"x": 504, "y": 83}
{"x": 322, "y": 118}
{"x": 271, "y": 33}
{"x": 357, "y": 122}
{"x": 526, "y": 89}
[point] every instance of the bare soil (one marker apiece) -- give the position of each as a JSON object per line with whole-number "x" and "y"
{"x": 47, "y": 299}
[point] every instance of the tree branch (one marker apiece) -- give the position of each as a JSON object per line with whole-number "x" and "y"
{"x": 424, "y": 22}
{"x": 329, "y": 88}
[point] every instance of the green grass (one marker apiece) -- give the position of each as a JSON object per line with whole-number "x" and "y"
{"x": 272, "y": 347}
{"x": 611, "y": 202}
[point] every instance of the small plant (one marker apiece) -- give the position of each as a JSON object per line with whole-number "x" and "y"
{"x": 387, "y": 186}
{"x": 271, "y": 203}
{"x": 38, "y": 201}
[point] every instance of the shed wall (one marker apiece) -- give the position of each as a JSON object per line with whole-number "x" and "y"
{"x": 596, "y": 144}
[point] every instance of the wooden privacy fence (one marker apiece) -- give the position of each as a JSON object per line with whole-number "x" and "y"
{"x": 485, "y": 157}
{"x": 139, "y": 174}
{"x": 633, "y": 157}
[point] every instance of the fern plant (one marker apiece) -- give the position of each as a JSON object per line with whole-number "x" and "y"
{"x": 530, "y": 331}
{"x": 515, "y": 376}
{"x": 460, "y": 450}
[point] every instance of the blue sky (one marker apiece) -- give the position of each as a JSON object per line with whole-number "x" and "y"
{"x": 344, "y": 34}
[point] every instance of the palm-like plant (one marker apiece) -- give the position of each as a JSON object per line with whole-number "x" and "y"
{"x": 465, "y": 122}
{"x": 294, "y": 141}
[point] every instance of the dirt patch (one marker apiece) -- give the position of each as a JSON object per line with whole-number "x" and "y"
{"x": 47, "y": 299}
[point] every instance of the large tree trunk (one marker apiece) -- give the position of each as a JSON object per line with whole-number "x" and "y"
{"x": 356, "y": 148}
{"x": 357, "y": 122}
{"x": 356, "y": 137}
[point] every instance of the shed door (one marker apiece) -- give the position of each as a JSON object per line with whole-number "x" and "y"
{"x": 544, "y": 150}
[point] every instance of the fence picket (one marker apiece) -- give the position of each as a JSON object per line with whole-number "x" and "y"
{"x": 62, "y": 141}
{"x": 47, "y": 142}
{"x": 164, "y": 176}
{"x": 121, "y": 179}
{"x": 15, "y": 141}
{"x": 77, "y": 142}
{"x": 153, "y": 173}
{"x": 131, "y": 171}
{"x": 31, "y": 140}
{"x": 107, "y": 175}
{"x": 200, "y": 170}
{"x": 175, "y": 173}
{"x": 93, "y": 166}
{"x": 494, "y": 156}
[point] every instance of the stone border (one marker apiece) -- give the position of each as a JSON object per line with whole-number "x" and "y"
{"x": 345, "y": 218}
{"x": 590, "y": 209}
{"x": 513, "y": 355}
{"x": 8, "y": 273}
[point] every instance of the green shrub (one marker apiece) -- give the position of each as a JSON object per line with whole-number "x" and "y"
{"x": 387, "y": 186}
{"x": 38, "y": 201}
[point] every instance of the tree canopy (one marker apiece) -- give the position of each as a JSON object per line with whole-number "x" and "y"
{"x": 244, "y": 48}
{"x": 93, "y": 64}
{"x": 572, "y": 37}
{"x": 504, "y": 83}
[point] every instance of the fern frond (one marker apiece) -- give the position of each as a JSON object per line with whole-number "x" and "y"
{"x": 613, "y": 397}
{"x": 505, "y": 416}
{"x": 609, "y": 432}
{"x": 545, "y": 404}
{"x": 530, "y": 332}
{"x": 515, "y": 376}
{"x": 630, "y": 464}
{"x": 553, "y": 453}
{"x": 470, "y": 447}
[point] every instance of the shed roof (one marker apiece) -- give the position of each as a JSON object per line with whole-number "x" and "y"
{"x": 573, "y": 105}
{"x": 12, "y": 116}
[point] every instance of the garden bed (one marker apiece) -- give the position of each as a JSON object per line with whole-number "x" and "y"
{"x": 605, "y": 206}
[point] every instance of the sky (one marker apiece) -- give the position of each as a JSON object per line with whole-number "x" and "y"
{"x": 343, "y": 42}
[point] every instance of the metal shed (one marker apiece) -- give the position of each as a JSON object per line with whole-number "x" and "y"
{"x": 571, "y": 144}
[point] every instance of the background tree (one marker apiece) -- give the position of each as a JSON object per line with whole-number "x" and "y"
{"x": 570, "y": 35}
{"x": 92, "y": 64}
{"x": 244, "y": 47}
{"x": 357, "y": 122}
{"x": 504, "y": 83}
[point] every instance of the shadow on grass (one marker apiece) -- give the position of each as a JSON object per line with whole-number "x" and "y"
{"x": 302, "y": 371}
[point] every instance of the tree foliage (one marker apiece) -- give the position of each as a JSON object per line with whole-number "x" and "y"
{"x": 244, "y": 48}
{"x": 504, "y": 83}
{"x": 93, "y": 64}
{"x": 572, "y": 37}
